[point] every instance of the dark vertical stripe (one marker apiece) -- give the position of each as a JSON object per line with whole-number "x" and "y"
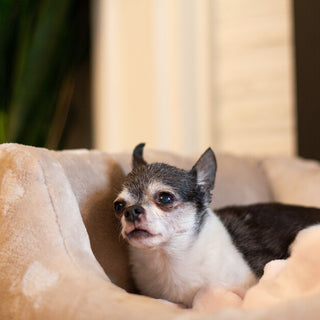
{"x": 307, "y": 67}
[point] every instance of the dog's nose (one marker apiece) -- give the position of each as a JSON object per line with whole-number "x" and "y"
{"x": 133, "y": 213}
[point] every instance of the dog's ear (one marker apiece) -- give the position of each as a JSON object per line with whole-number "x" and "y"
{"x": 205, "y": 171}
{"x": 137, "y": 156}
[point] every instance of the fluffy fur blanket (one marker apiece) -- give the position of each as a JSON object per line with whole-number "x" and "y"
{"x": 61, "y": 256}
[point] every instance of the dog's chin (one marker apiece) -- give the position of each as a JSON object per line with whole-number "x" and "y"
{"x": 141, "y": 238}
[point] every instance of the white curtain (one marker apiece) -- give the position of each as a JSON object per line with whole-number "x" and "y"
{"x": 181, "y": 75}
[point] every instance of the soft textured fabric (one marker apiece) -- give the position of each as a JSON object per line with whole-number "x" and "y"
{"x": 61, "y": 256}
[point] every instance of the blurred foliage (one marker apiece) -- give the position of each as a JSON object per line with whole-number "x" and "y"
{"x": 42, "y": 43}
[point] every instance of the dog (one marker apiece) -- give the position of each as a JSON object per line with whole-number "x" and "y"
{"x": 178, "y": 245}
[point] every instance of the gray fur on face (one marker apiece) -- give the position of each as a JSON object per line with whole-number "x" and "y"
{"x": 186, "y": 184}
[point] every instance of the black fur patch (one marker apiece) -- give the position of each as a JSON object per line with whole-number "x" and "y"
{"x": 264, "y": 232}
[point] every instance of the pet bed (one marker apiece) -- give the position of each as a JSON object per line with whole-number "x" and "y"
{"x": 61, "y": 256}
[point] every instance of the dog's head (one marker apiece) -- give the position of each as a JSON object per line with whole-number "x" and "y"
{"x": 159, "y": 202}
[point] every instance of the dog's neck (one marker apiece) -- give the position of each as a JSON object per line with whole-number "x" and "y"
{"x": 181, "y": 266}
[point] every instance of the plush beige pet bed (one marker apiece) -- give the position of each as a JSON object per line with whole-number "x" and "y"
{"x": 61, "y": 256}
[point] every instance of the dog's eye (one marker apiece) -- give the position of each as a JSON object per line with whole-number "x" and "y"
{"x": 119, "y": 206}
{"x": 165, "y": 198}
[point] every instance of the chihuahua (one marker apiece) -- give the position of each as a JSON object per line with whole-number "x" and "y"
{"x": 178, "y": 245}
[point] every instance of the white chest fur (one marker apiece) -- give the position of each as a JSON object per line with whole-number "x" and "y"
{"x": 177, "y": 270}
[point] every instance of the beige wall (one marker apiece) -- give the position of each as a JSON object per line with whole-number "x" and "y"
{"x": 184, "y": 74}
{"x": 253, "y": 76}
